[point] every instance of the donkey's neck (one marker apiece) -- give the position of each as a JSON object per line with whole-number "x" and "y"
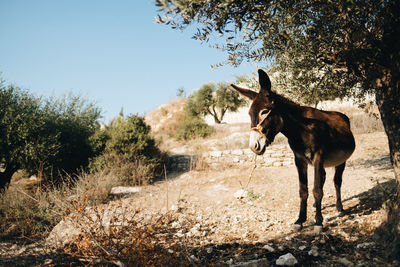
{"x": 292, "y": 115}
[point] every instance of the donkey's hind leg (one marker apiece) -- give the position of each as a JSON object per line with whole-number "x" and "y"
{"x": 338, "y": 183}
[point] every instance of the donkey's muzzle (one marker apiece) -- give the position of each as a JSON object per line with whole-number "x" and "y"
{"x": 258, "y": 142}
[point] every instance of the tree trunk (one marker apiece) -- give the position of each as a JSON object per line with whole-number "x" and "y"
{"x": 216, "y": 120}
{"x": 388, "y": 101}
{"x": 5, "y": 177}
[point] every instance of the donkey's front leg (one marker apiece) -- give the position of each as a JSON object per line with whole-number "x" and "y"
{"x": 303, "y": 190}
{"x": 319, "y": 180}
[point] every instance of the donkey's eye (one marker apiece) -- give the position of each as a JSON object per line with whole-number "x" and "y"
{"x": 263, "y": 112}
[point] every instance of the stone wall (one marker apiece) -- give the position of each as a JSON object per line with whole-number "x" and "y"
{"x": 274, "y": 156}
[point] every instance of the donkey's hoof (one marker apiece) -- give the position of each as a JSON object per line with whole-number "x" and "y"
{"x": 341, "y": 213}
{"x": 297, "y": 227}
{"x": 317, "y": 229}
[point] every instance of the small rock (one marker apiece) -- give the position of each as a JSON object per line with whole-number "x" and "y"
{"x": 174, "y": 208}
{"x": 229, "y": 262}
{"x": 241, "y": 193}
{"x": 209, "y": 250}
{"x": 175, "y": 224}
{"x": 48, "y": 262}
{"x": 124, "y": 190}
{"x": 287, "y": 259}
{"x": 269, "y": 248}
{"x": 313, "y": 252}
{"x": 170, "y": 251}
{"x": 365, "y": 245}
{"x": 194, "y": 258}
{"x": 302, "y": 248}
{"x": 237, "y": 152}
{"x": 253, "y": 263}
{"x": 346, "y": 262}
{"x": 216, "y": 154}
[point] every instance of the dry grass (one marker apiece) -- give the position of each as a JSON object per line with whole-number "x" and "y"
{"x": 126, "y": 240}
{"x": 33, "y": 210}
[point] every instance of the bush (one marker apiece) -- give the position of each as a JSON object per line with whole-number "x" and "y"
{"x": 193, "y": 127}
{"x": 128, "y": 151}
{"x": 44, "y": 137}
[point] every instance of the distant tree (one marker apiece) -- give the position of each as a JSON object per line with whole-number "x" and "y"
{"x": 181, "y": 92}
{"x": 46, "y": 137}
{"x": 215, "y": 100}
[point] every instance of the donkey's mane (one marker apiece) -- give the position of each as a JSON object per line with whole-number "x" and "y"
{"x": 285, "y": 101}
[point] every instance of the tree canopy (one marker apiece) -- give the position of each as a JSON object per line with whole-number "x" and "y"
{"x": 45, "y": 136}
{"x": 349, "y": 47}
{"x": 338, "y": 43}
{"x": 215, "y": 100}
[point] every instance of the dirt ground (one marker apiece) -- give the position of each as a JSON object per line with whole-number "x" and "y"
{"x": 222, "y": 229}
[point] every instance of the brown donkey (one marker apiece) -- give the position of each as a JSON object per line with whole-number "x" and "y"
{"x": 320, "y": 138}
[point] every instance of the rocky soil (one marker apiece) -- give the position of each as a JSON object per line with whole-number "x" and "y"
{"x": 218, "y": 224}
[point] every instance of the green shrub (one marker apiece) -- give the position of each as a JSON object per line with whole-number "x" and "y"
{"x": 193, "y": 127}
{"x": 128, "y": 151}
{"x": 47, "y": 137}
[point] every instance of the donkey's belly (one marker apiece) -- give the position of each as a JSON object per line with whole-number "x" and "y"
{"x": 336, "y": 157}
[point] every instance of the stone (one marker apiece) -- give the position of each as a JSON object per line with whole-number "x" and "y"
{"x": 313, "y": 252}
{"x": 253, "y": 263}
{"x": 194, "y": 258}
{"x": 175, "y": 225}
{"x": 346, "y": 262}
{"x": 124, "y": 190}
{"x": 287, "y": 259}
{"x": 302, "y": 248}
{"x": 277, "y": 164}
{"x": 241, "y": 193}
{"x": 287, "y": 162}
{"x": 237, "y": 152}
{"x": 216, "y": 154}
{"x": 270, "y": 161}
{"x": 365, "y": 245}
{"x": 269, "y": 248}
{"x": 174, "y": 208}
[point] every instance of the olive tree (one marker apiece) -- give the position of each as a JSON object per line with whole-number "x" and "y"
{"x": 41, "y": 136}
{"x": 354, "y": 45}
{"x": 215, "y": 100}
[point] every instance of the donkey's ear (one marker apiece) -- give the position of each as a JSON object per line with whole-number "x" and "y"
{"x": 245, "y": 92}
{"x": 265, "y": 82}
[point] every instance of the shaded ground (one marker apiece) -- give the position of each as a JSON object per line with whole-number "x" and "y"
{"x": 219, "y": 229}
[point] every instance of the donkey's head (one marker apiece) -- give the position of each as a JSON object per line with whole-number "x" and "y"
{"x": 266, "y": 123}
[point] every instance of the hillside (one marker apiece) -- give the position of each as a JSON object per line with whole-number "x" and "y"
{"x": 201, "y": 217}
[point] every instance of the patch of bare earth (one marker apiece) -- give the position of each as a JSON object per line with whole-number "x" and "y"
{"x": 218, "y": 228}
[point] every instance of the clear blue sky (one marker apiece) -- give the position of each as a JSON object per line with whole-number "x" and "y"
{"x": 111, "y": 52}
